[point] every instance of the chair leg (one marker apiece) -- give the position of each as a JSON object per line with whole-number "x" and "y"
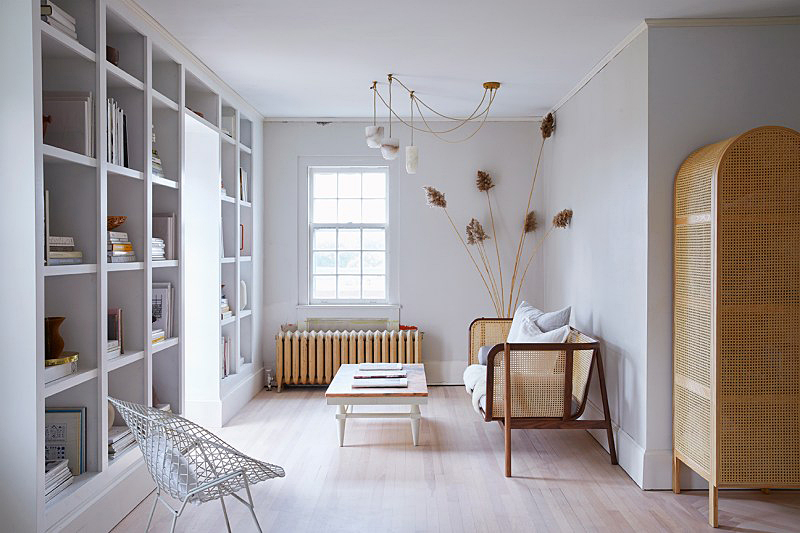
{"x": 606, "y": 412}
{"x": 225, "y": 512}
{"x": 251, "y": 506}
{"x": 507, "y": 407}
{"x": 152, "y": 511}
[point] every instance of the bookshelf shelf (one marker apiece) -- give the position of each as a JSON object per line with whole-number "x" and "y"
{"x": 119, "y": 267}
{"x": 227, "y": 138}
{"x": 162, "y": 102}
{"x": 60, "y": 385}
{"x": 79, "y": 484}
{"x": 166, "y": 343}
{"x": 244, "y": 313}
{"x": 245, "y": 204}
{"x": 227, "y": 260}
{"x": 245, "y": 258}
{"x": 202, "y": 120}
{"x": 69, "y": 270}
{"x": 169, "y": 263}
{"x": 233, "y": 380}
{"x": 165, "y": 182}
{"x": 118, "y": 170}
{"x": 131, "y": 453}
{"x": 56, "y": 45}
{"x": 119, "y": 361}
{"x": 226, "y": 198}
{"x": 245, "y": 149}
{"x": 225, "y": 321}
{"x": 53, "y": 154}
{"x": 116, "y": 77}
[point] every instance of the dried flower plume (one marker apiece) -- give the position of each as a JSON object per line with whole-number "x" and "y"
{"x": 435, "y": 198}
{"x": 484, "y": 181}
{"x": 548, "y": 125}
{"x": 530, "y": 222}
{"x": 475, "y": 232}
{"x": 563, "y": 218}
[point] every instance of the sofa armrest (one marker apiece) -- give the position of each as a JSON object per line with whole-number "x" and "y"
{"x": 486, "y": 332}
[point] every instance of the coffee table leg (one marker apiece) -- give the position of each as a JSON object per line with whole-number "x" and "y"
{"x": 415, "y": 416}
{"x": 341, "y": 414}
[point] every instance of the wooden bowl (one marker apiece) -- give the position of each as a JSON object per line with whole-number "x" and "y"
{"x": 114, "y": 222}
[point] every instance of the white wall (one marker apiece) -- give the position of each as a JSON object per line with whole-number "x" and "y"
{"x": 597, "y": 166}
{"x": 20, "y": 466}
{"x": 706, "y": 84}
{"x": 438, "y": 289}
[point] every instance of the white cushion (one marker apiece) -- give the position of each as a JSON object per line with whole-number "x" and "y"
{"x": 553, "y": 320}
{"x": 523, "y": 326}
{"x": 472, "y": 375}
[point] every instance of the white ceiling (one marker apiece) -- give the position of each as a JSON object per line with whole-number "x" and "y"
{"x": 317, "y": 58}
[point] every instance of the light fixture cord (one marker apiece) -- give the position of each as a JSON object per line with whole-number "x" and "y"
{"x": 390, "y": 106}
{"x": 412, "y": 118}
{"x": 374, "y": 103}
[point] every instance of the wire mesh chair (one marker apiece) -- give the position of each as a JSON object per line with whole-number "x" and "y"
{"x": 190, "y": 463}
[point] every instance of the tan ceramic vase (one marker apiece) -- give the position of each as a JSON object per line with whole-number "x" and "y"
{"x": 53, "y": 342}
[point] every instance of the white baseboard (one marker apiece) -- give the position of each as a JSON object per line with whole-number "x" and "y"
{"x": 237, "y": 398}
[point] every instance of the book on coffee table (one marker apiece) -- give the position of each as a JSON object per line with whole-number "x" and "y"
{"x": 370, "y": 374}
{"x": 380, "y": 383}
{"x": 380, "y": 366}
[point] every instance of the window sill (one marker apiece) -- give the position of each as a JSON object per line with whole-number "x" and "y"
{"x": 348, "y": 306}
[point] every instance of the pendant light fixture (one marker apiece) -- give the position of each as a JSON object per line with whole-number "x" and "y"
{"x": 374, "y": 133}
{"x": 390, "y": 146}
{"x": 412, "y": 152}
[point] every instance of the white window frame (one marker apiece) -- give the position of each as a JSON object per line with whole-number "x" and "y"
{"x": 306, "y": 228}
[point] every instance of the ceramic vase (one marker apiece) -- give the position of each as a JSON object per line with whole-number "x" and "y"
{"x": 53, "y": 342}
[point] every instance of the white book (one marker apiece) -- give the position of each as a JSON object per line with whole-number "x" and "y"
{"x": 380, "y": 366}
{"x": 60, "y": 13}
{"x": 386, "y": 374}
{"x": 380, "y": 383}
{"x": 52, "y": 373}
{"x": 55, "y": 490}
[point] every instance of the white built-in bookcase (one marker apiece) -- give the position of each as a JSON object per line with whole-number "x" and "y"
{"x": 158, "y": 83}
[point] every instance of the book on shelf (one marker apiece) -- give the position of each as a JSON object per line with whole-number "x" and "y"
{"x": 64, "y": 366}
{"x": 157, "y": 169}
{"x": 120, "y": 438}
{"x": 65, "y": 261}
{"x": 49, "y": 9}
{"x": 66, "y": 29}
{"x": 71, "y": 125}
{"x": 57, "y": 477}
{"x": 225, "y": 354}
{"x": 157, "y": 249}
{"x": 74, "y": 254}
{"x": 380, "y": 383}
{"x": 116, "y": 333}
{"x": 244, "y": 194}
{"x": 117, "y": 134}
{"x": 119, "y": 248}
{"x": 157, "y": 335}
{"x": 164, "y": 229}
{"x": 65, "y": 436}
{"x": 163, "y": 307}
{"x": 379, "y": 366}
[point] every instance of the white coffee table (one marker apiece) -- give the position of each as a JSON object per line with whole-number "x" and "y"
{"x": 342, "y": 394}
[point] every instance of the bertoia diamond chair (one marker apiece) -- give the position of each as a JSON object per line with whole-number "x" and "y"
{"x": 190, "y": 463}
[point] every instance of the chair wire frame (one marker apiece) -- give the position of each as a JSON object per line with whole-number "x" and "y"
{"x": 189, "y": 463}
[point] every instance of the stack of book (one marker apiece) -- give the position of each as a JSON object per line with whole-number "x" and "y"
{"x": 65, "y": 436}
{"x": 225, "y": 354}
{"x": 115, "y": 345}
{"x": 224, "y": 309}
{"x": 64, "y": 366}
{"x": 157, "y": 335}
{"x": 157, "y": 248}
{"x": 380, "y": 375}
{"x": 71, "y": 124}
{"x": 120, "y": 439}
{"x": 117, "y": 134}
{"x": 58, "y": 18}
{"x": 57, "y": 477}
{"x": 164, "y": 230}
{"x": 120, "y": 249}
{"x": 61, "y": 251}
{"x": 163, "y": 308}
{"x": 157, "y": 168}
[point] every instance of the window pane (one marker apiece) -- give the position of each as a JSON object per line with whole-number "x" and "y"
{"x": 349, "y": 262}
{"x": 349, "y": 287}
{"x": 349, "y": 211}
{"x": 324, "y": 288}
{"x": 374, "y": 239}
{"x": 350, "y": 239}
{"x": 349, "y": 185}
{"x": 374, "y": 287}
{"x": 324, "y": 263}
{"x": 374, "y": 185}
{"x": 324, "y": 211}
{"x": 324, "y": 185}
{"x": 374, "y": 262}
{"x": 374, "y": 211}
{"x": 325, "y": 239}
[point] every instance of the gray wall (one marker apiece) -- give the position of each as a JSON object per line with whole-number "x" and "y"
{"x": 597, "y": 166}
{"x": 438, "y": 288}
{"x": 20, "y": 469}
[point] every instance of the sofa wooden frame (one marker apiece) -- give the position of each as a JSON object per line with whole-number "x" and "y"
{"x": 569, "y": 419}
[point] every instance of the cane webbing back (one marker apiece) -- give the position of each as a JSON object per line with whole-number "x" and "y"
{"x": 745, "y": 243}
{"x": 759, "y": 308}
{"x": 487, "y": 332}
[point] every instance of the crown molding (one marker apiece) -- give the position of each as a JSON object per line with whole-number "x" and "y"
{"x": 156, "y": 26}
{"x": 326, "y": 120}
{"x": 733, "y": 21}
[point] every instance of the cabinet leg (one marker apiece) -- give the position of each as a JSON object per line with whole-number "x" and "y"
{"x": 713, "y": 505}
{"x": 676, "y": 475}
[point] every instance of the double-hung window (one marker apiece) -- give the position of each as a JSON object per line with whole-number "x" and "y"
{"x": 348, "y": 231}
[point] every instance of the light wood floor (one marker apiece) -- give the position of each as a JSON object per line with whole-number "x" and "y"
{"x": 563, "y": 480}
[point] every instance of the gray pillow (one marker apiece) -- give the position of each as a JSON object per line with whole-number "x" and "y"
{"x": 483, "y": 354}
{"x": 554, "y": 320}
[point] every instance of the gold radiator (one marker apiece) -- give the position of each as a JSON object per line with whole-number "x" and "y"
{"x": 313, "y": 357}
